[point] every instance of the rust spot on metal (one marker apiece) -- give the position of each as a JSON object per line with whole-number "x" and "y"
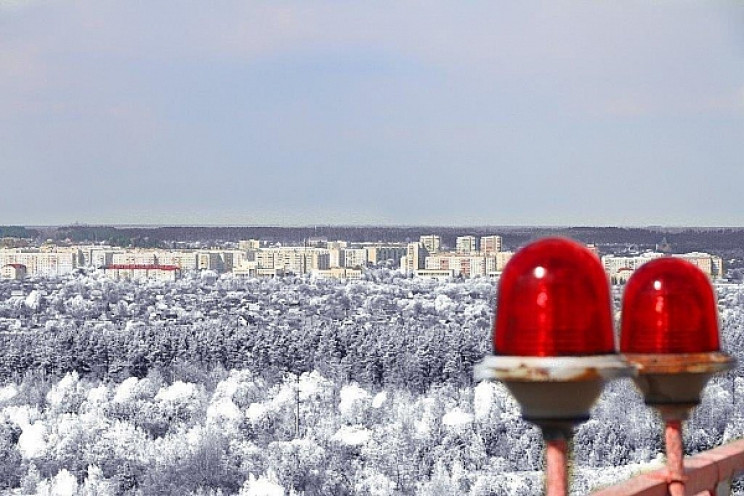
{"x": 553, "y": 369}
{"x": 678, "y": 363}
{"x": 589, "y": 374}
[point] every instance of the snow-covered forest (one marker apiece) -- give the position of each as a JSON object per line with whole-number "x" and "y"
{"x": 294, "y": 386}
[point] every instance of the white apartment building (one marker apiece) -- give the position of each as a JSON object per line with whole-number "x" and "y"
{"x": 291, "y": 259}
{"x": 466, "y": 244}
{"x": 267, "y": 258}
{"x": 318, "y": 259}
{"x": 209, "y": 260}
{"x": 491, "y": 244}
{"x": 335, "y": 257}
{"x": 619, "y": 268}
{"x": 217, "y": 260}
{"x": 431, "y": 242}
{"x": 354, "y": 257}
{"x": 40, "y": 263}
{"x": 246, "y": 269}
{"x": 502, "y": 258}
{"x": 615, "y": 265}
{"x": 134, "y": 257}
{"x": 414, "y": 259}
{"x": 87, "y": 253}
{"x": 710, "y": 264}
{"x": 184, "y": 260}
{"x": 461, "y": 264}
{"x": 232, "y": 259}
{"x": 381, "y": 253}
{"x": 55, "y": 264}
{"x": 84, "y": 254}
{"x": 496, "y": 262}
{"x": 101, "y": 257}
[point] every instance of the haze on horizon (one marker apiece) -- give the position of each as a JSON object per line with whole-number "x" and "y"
{"x": 392, "y": 113}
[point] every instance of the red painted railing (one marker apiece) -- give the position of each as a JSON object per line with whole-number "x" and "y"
{"x": 706, "y": 474}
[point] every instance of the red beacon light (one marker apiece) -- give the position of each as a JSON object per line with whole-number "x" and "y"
{"x": 554, "y": 300}
{"x": 669, "y": 307}
{"x": 670, "y": 333}
{"x": 553, "y": 338}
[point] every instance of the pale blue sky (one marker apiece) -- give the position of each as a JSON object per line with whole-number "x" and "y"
{"x": 427, "y": 112}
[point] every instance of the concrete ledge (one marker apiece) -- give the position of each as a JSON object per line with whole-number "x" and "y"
{"x": 704, "y": 472}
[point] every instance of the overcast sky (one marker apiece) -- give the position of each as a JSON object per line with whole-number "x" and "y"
{"x": 427, "y": 112}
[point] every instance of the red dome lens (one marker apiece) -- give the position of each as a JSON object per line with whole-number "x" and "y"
{"x": 669, "y": 307}
{"x": 554, "y": 300}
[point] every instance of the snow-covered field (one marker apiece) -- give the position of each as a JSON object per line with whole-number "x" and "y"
{"x": 230, "y": 386}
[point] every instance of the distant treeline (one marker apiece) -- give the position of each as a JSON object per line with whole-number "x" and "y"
{"x": 382, "y": 356}
{"x": 18, "y": 232}
{"x": 722, "y": 240}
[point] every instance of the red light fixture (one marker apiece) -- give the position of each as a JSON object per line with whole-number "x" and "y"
{"x": 670, "y": 333}
{"x": 553, "y": 341}
{"x": 669, "y": 307}
{"x": 554, "y": 300}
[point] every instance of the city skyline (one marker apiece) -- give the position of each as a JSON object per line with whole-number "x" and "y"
{"x": 403, "y": 114}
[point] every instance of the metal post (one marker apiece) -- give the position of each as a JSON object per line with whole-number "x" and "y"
{"x": 675, "y": 457}
{"x": 556, "y": 476}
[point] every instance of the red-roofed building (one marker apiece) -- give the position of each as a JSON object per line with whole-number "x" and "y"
{"x": 14, "y": 271}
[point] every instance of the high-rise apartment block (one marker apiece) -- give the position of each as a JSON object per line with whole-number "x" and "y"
{"x": 354, "y": 257}
{"x": 102, "y": 257}
{"x": 383, "y": 253}
{"x": 466, "y": 244}
{"x": 335, "y": 257}
{"x": 336, "y": 252}
{"x": 491, "y": 244}
{"x": 89, "y": 255}
{"x": 415, "y": 258}
{"x": 206, "y": 260}
{"x": 432, "y": 243}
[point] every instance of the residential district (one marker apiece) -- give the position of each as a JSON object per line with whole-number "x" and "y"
{"x": 318, "y": 257}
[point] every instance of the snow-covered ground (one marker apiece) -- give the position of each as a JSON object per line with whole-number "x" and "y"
{"x": 342, "y": 388}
